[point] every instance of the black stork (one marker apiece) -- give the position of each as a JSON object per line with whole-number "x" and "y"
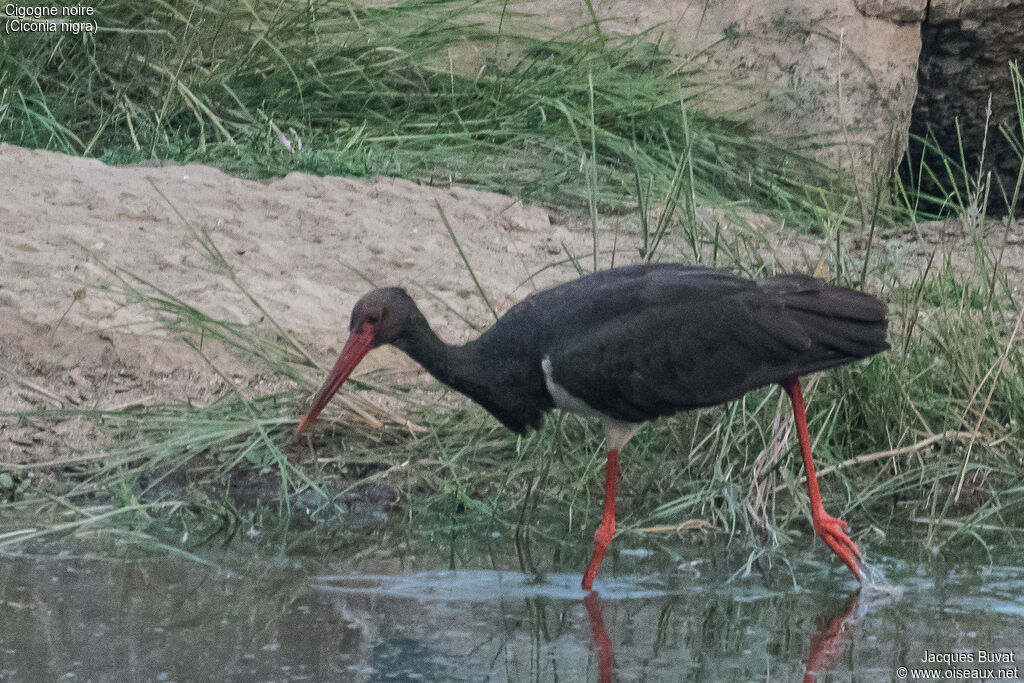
{"x": 631, "y": 344}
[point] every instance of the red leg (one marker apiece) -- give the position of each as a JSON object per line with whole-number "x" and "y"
{"x": 831, "y": 529}
{"x": 607, "y": 527}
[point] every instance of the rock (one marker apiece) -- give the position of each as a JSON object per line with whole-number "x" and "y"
{"x": 840, "y": 72}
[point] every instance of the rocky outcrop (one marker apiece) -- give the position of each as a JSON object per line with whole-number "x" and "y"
{"x": 844, "y": 73}
{"x": 840, "y": 73}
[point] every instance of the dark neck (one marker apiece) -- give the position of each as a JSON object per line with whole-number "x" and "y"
{"x": 509, "y": 386}
{"x": 448, "y": 363}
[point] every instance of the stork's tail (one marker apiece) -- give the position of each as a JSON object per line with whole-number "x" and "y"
{"x": 843, "y": 324}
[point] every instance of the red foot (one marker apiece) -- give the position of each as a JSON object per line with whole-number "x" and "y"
{"x": 602, "y": 537}
{"x": 833, "y": 531}
{"x": 606, "y": 529}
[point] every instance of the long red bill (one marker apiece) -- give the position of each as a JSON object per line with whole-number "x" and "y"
{"x": 357, "y": 346}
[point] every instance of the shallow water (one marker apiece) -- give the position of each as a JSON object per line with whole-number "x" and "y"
{"x": 81, "y": 619}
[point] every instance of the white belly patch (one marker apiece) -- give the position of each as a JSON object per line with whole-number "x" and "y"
{"x": 563, "y": 399}
{"x": 616, "y": 432}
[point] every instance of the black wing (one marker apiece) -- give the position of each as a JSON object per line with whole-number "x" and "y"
{"x": 653, "y": 340}
{"x": 507, "y": 358}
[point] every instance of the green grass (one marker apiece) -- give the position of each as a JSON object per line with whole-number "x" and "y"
{"x": 435, "y": 90}
{"x": 930, "y": 431}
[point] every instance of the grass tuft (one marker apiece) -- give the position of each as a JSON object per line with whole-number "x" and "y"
{"x": 399, "y": 90}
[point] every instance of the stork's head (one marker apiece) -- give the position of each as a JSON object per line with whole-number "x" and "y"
{"x": 384, "y": 316}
